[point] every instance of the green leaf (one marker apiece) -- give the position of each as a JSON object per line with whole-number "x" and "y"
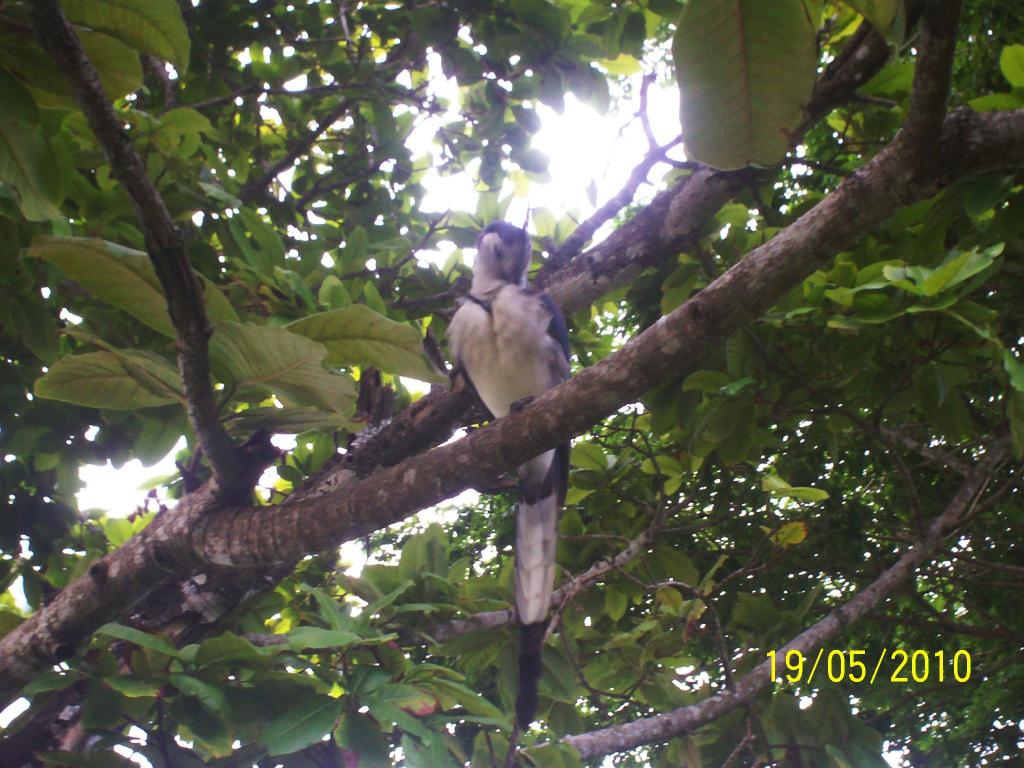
{"x": 357, "y": 335}
{"x": 425, "y": 552}
{"x": 228, "y": 650}
{"x": 332, "y": 293}
{"x": 733, "y": 388}
{"x": 992, "y": 102}
{"x": 134, "y": 687}
{"x": 428, "y": 751}
{"x": 589, "y": 456}
{"x": 736, "y": 447}
{"x": 359, "y": 736}
{"x": 123, "y": 380}
{"x": 706, "y": 381}
{"x": 207, "y": 727}
{"x": 211, "y": 696}
{"x": 983, "y": 193}
{"x": 615, "y": 603}
{"x": 139, "y": 638}
{"x": 1015, "y": 408}
{"x": 386, "y": 712}
{"x": 334, "y": 613}
{"x": 102, "y": 706}
{"x": 118, "y": 67}
{"x": 886, "y": 16}
{"x": 286, "y": 421}
{"x": 184, "y": 120}
{"x": 356, "y": 244}
{"x": 1014, "y": 369}
{"x": 26, "y": 161}
{"x": 301, "y": 725}
{"x": 779, "y": 487}
{"x": 1011, "y": 62}
{"x": 746, "y": 69}
{"x": 756, "y": 612}
{"x": 45, "y": 682}
{"x": 406, "y": 697}
{"x": 622, "y": 65}
{"x": 489, "y": 749}
{"x": 150, "y": 26}
{"x": 316, "y": 638}
{"x": 123, "y": 277}
{"x": 805, "y": 493}
{"x": 671, "y": 599}
{"x": 473, "y": 702}
{"x": 379, "y": 605}
{"x": 791, "y": 534}
{"x": 268, "y": 360}
{"x": 554, "y": 755}
{"x": 776, "y": 486}
{"x": 959, "y": 268}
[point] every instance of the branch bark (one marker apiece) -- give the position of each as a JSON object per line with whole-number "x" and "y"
{"x": 165, "y": 245}
{"x": 197, "y": 536}
{"x": 930, "y": 93}
{"x": 687, "y": 719}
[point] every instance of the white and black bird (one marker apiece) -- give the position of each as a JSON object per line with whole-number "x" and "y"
{"x": 511, "y": 344}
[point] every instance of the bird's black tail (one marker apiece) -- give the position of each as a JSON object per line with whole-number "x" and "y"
{"x": 531, "y": 640}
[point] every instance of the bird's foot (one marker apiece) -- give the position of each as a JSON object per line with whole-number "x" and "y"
{"x": 520, "y": 404}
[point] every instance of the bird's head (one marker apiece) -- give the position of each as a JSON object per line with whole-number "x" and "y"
{"x": 502, "y": 254}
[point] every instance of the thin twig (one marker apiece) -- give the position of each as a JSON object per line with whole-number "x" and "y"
{"x": 164, "y": 244}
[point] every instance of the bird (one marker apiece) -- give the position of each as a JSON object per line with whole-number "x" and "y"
{"x": 510, "y": 342}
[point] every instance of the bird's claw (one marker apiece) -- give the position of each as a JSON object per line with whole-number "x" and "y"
{"x": 520, "y": 404}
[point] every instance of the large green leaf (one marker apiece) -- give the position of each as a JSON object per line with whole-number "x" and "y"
{"x": 357, "y": 334}
{"x": 301, "y": 725}
{"x": 142, "y": 639}
{"x": 118, "y": 67}
{"x": 776, "y": 486}
{"x": 317, "y": 638}
{"x": 425, "y": 552}
{"x": 473, "y": 701}
{"x": 26, "y": 162}
{"x": 1011, "y": 62}
{"x": 746, "y": 69}
{"x": 122, "y": 380}
{"x": 230, "y": 650}
{"x": 150, "y": 26}
{"x": 123, "y": 277}
{"x": 267, "y": 360}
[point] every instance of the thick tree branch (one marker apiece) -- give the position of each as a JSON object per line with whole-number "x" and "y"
{"x": 164, "y": 243}
{"x": 930, "y": 94}
{"x": 197, "y": 537}
{"x": 687, "y": 719}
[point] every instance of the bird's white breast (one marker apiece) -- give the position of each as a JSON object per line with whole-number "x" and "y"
{"x": 507, "y": 353}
